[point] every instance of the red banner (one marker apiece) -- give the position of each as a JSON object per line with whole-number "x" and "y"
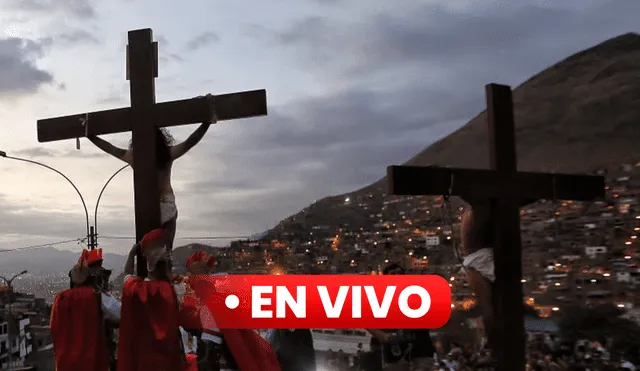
{"x": 324, "y": 301}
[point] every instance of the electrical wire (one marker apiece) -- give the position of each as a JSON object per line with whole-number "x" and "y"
{"x": 78, "y": 240}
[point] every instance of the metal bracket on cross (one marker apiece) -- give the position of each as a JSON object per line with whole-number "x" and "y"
{"x": 84, "y": 121}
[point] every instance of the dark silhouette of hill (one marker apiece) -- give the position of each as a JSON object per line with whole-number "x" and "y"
{"x": 578, "y": 115}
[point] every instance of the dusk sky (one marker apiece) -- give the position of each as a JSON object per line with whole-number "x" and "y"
{"x": 352, "y": 86}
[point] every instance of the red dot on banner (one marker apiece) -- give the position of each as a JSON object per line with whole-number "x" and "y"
{"x": 232, "y": 301}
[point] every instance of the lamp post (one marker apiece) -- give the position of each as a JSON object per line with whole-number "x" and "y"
{"x": 84, "y": 205}
{"x": 9, "y": 283}
{"x": 92, "y": 231}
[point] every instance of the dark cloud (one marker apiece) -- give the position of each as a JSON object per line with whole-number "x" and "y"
{"x": 19, "y": 74}
{"x": 75, "y": 8}
{"x": 202, "y": 40}
{"x": 508, "y": 41}
{"x": 320, "y": 147}
{"x": 403, "y": 80}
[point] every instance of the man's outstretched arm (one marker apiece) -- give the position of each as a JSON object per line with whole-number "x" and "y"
{"x": 109, "y": 148}
{"x": 180, "y": 149}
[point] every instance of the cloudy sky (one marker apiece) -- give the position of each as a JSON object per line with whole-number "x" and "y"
{"x": 353, "y": 86}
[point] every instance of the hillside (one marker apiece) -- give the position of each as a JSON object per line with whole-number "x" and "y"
{"x": 50, "y": 260}
{"x": 576, "y": 116}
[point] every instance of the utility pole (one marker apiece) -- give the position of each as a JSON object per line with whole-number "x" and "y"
{"x": 93, "y": 240}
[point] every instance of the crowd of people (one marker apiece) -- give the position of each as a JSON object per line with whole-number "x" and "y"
{"x": 545, "y": 353}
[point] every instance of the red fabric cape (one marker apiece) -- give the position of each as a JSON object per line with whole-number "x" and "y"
{"x": 79, "y": 342}
{"x": 250, "y": 350}
{"x": 149, "y": 338}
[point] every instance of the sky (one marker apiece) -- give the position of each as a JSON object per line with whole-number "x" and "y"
{"x": 352, "y": 87}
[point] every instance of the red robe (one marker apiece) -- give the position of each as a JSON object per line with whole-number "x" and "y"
{"x": 79, "y": 341}
{"x": 149, "y": 337}
{"x": 250, "y": 350}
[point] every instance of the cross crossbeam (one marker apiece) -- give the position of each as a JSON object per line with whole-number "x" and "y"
{"x": 174, "y": 113}
{"x": 142, "y": 119}
{"x": 481, "y": 183}
{"x": 504, "y": 188}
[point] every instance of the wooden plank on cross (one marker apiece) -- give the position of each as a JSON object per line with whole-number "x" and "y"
{"x": 142, "y": 89}
{"x": 173, "y": 113}
{"x": 143, "y": 117}
{"x": 482, "y": 183}
{"x": 504, "y": 187}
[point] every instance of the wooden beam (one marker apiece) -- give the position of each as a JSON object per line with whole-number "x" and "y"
{"x": 508, "y": 308}
{"x": 480, "y": 183}
{"x": 173, "y": 113}
{"x": 143, "y": 99}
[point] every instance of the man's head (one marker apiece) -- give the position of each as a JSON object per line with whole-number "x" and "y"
{"x": 154, "y": 247}
{"x": 88, "y": 269}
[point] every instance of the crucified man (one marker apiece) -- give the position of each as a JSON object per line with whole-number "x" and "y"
{"x": 166, "y": 153}
{"x": 477, "y": 241}
{"x": 477, "y": 236}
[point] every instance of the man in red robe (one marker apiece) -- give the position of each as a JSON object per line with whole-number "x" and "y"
{"x": 226, "y": 349}
{"x": 83, "y": 317}
{"x": 150, "y": 337}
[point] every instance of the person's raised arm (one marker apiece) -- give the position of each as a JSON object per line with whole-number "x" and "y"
{"x": 109, "y": 148}
{"x": 129, "y": 265}
{"x": 180, "y": 149}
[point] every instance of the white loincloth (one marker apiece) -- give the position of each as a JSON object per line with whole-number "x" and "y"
{"x": 481, "y": 261}
{"x": 168, "y": 208}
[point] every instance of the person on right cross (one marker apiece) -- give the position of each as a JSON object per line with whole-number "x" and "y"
{"x": 477, "y": 237}
{"x": 477, "y": 246}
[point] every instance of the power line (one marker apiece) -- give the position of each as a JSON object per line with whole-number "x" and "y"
{"x": 203, "y": 238}
{"x": 78, "y": 240}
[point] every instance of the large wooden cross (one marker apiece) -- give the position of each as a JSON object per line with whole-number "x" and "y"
{"x": 504, "y": 187}
{"x": 143, "y": 117}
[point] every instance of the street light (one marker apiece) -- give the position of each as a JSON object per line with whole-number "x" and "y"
{"x": 91, "y": 231}
{"x": 10, "y": 280}
{"x": 84, "y": 205}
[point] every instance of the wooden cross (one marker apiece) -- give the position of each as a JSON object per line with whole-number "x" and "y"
{"x": 142, "y": 118}
{"x": 504, "y": 187}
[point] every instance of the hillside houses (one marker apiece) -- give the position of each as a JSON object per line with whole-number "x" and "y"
{"x": 580, "y": 241}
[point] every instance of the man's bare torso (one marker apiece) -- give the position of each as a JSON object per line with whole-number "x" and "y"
{"x": 165, "y": 189}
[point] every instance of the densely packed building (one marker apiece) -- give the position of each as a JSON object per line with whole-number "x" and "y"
{"x": 24, "y": 328}
{"x": 572, "y": 251}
